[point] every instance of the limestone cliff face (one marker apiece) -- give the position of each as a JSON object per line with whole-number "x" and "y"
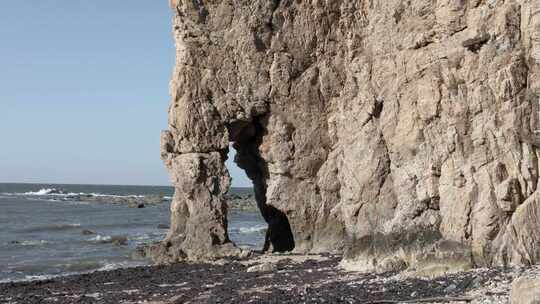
{"x": 367, "y": 126}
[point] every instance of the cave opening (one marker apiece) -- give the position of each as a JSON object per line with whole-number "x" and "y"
{"x": 246, "y": 138}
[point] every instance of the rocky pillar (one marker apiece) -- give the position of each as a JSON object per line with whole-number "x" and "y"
{"x": 194, "y": 150}
{"x": 198, "y": 210}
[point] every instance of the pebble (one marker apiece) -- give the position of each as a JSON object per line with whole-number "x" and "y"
{"x": 298, "y": 285}
{"x": 450, "y": 288}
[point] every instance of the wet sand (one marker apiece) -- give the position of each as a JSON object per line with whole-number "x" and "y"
{"x": 292, "y": 279}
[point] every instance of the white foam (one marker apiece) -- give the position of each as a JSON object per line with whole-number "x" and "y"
{"x": 106, "y": 267}
{"x": 145, "y": 237}
{"x": 59, "y": 193}
{"x": 100, "y": 238}
{"x": 110, "y": 266}
{"x": 38, "y": 277}
{"x": 253, "y": 229}
{"x": 141, "y": 237}
{"x": 30, "y": 243}
{"x": 69, "y": 225}
{"x": 44, "y": 191}
{"x": 29, "y": 278}
{"x": 111, "y": 195}
{"x": 120, "y": 265}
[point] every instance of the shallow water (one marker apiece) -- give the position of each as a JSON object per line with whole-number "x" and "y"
{"x": 41, "y": 230}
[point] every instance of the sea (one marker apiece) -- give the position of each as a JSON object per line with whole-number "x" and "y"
{"x": 45, "y": 231}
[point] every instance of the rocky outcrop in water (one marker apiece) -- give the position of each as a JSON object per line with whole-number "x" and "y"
{"x": 387, "y": 129}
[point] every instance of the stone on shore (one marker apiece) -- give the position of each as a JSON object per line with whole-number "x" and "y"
{"x": 264, "y": 267}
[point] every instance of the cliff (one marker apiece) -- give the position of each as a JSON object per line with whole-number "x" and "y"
{"x": 399, "y": 132}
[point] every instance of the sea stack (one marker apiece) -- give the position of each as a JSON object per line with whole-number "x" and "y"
{"x": 399, "y": 134}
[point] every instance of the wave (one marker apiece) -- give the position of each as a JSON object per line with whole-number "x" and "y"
{"x": 80, "y": 266}
{"x": 45, "y": 191}
{"x": 146, "y": 237}
{"x": 53, "y": 192}
{"x": 34, "y": 243}
{"x": 43, "y": 277}
{"x": 254, "y": 229}
{"x": 55, "y": 227}
{"x": 67, "y": 269}
{"x": 39, "y": 277}
{"x": 109, "y": 195}
{"x": 100, "y": 238}
{"x": 124, "y": 265}
{"x": 29, "y": 243}
{"x": 108, "y": 239}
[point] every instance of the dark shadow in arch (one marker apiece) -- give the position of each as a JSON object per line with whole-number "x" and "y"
{"x": 247, "y": 138}
{"x": 279, "y": 232}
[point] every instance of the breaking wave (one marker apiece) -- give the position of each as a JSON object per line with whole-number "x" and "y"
{"x": 28, "y": 243}
{"x": 254, "y": 229}
{"x": 60, "y": 193}
{"x": 108, "y": 239}
{"x": 45, "y": 191}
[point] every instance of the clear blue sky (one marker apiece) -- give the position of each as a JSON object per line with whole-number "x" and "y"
{"x": 84, "y": 91}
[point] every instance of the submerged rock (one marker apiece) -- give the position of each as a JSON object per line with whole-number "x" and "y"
{"x": 132, "y": 201}
{"x": 119, "y": 240}
{"x": 136, "y": 205}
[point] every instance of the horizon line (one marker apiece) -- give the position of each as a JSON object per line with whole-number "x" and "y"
{"x": 90, "y": 184}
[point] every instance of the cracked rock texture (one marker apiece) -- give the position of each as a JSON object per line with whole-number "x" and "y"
{"x": 385, "y": 128}
{"x": 526, "y": 290}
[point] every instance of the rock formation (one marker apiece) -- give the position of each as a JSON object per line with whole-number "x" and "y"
{"x": 383, "y": 128}
{"x": 526, "y": 290}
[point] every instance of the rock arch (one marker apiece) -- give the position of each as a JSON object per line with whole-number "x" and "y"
{"x": 367, "y": 126}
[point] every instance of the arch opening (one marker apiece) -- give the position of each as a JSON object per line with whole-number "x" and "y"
{"x": 246, "y": 139}
{"x": 246, "y": 226}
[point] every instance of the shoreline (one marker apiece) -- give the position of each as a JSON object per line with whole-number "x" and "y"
{"x": 97, "y": 229}
{"x": 269, "y": 278}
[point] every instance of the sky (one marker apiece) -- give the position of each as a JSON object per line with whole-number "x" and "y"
{"x": 84, "y": 92}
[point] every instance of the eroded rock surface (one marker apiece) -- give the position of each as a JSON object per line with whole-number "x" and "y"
{"x": 383, "y": 128}
{"x": 526, "y": 290}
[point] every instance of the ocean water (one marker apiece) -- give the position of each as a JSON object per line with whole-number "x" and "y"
{"x": 41, "y": 228}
